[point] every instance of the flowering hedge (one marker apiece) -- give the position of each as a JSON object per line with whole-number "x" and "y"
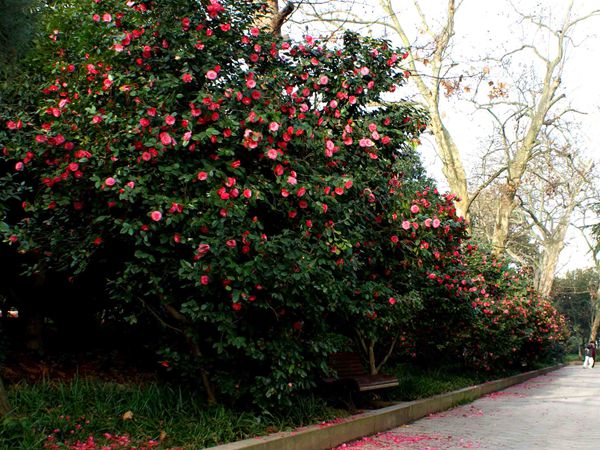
{"x": 254, "y": 195}
{"x": 494, "y": 317}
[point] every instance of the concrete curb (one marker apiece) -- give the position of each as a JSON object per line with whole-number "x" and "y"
{"x": 322, "y": 437}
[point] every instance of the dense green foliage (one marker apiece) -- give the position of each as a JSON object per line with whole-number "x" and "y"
{"x": 255, "y": 197}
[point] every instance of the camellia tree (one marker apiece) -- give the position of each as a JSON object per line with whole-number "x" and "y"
{"x": 233, "y": 186}
{"x": 500, "y": 320}
{"x": 256, "y": 197}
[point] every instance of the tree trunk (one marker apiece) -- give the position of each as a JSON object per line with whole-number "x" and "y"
{"x": 595, "y": 309}
{"x": 452, "y": 166}
{"x": 275, "y": 18}
{"x": 550, "y": 255}
{"x": 372, "y": 363}
{"x": 4, "y": 405}
{"x": 506, "y": 206}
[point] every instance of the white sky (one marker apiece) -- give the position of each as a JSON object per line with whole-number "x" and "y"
{"x": 485, "y": 27}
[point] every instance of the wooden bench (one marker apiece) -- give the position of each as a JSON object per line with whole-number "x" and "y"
{"x": 349, "y": 370}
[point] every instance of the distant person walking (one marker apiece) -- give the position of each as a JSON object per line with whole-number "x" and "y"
{"x": 590, "y": 355}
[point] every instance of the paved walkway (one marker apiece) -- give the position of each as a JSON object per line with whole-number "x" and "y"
{"x": 557, "y": 411}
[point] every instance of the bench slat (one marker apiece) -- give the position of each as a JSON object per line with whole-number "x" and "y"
{"x": 349, "y": 367}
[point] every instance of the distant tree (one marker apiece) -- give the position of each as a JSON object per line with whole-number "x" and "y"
{"x": 575, "y": 295}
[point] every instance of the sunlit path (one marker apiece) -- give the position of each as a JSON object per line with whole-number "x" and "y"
{"x": 560, "y": 410}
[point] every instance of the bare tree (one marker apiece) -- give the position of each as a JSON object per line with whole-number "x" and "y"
{"x": 555, "y": 185}
{"x": 558, "y": 181}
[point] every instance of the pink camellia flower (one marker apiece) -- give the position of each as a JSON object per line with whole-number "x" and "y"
{"x": 273, "y": 126}
{"x": 96, "y": 119}
{"x": 414, "y": 209}
{"x": 323, "y": 80}
{"x": 186, "y": 78}
{"x": 202, "y": 176}
{"x": 211, "y": 75}
{"x": 231, "y": 243}
{"x": 405, "y": 224}
{"x": 292, "y": 180}
{"x": 165, "y": 138}
{"x": 19, "y": 166}
{"x": 156, "y": 215}
{"x": 436, "y": 223}
{"x": 428, "y": 222}
{"x": 106, "y": 17}
{"x": 170, "y": 120}
{"x": 110, "y": 181}
{"x": 203, "y": 249}
{"x": 364, "y": 71}
{"x": 366, "y": 142}
{"x": 272, "y": 154}
{"x": 254, "y": 31}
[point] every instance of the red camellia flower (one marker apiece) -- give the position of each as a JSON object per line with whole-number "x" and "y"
{"x": 204, "y": 280}
{"x": 392, "y": 301}
{"x": 247, "y": 193}
{"x": 186, "y": 78}
{"x": 156, "y": 215}
{"x": 231, "y": 243}
{"x": 394, "y": 239}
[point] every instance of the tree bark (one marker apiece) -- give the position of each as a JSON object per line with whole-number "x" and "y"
{"x": 452, "y": 166}
{"x": 372, "y": 362}
{"x": 275, "y": 18}
{"x": 4, "y": 405}
{"x": 596, "y": 311}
